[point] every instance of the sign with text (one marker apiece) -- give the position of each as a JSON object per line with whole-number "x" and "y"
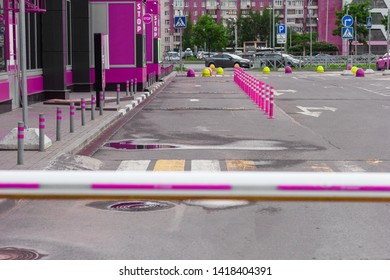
{"x": 156, "y": 27}
{"x": 139, "y": 25}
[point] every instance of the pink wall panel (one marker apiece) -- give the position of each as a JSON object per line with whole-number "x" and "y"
{"x": 121, "y": 34}
{"x": 69, "y": 78}
{"x": 4, "y": 90}
{"x": 34, "y": 84}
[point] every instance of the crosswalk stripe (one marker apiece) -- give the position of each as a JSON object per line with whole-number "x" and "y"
{"x": 169, "y": 165}
{"x": 205, "y": 165}
{"x": 134, "y": 165}
{"x": 238, "y": 165}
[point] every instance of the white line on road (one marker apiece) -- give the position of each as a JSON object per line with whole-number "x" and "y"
{"x": 205, "y": 165}
{"x": 133, "y": 165}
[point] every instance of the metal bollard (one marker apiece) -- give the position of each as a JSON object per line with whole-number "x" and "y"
{"x": 135, "y": 85}
{"x": 20, "y": 142}
{"x": 131, "y": 87}
{"x": 127, "y": 88}
{"x": 58, "y": 126}
{"x": 93, "y": 105}
{"x": 118, "y": 90}
{"x": 72, "y": 108}
{"x": 82, "y": 103}
{"x": 101, "y": 100}
{"x": 271, "y": 104}
{"x": 41, "y": 132}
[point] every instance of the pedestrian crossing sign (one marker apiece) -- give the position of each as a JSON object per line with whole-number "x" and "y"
{"x": 180, "y": 22}
{"x": 347, "y": 32}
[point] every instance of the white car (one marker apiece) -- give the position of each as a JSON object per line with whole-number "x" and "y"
{"x": 172, "y": 56}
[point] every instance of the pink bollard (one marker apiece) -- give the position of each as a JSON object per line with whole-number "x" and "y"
{"x": 263, "y": 96}
{"x": 271, "y": 104}
{"x": 260, "y": 94}
{"x": 266, "y": 109}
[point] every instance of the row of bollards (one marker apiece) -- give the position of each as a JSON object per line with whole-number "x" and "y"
{"x": 151, "y": 78}
{"x": 41, "y": 136}
{"x": 262, "y": 94}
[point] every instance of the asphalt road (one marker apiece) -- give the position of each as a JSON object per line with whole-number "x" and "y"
{"x": 323, "y": 123}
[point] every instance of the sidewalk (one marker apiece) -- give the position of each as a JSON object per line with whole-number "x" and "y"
{"x": 71, "y": 143}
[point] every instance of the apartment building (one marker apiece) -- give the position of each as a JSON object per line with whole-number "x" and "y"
{"x": 302, "y": 15}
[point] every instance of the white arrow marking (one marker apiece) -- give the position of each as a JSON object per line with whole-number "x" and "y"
{"x": 283, "y": 91}
{"x": 306, "y": 110}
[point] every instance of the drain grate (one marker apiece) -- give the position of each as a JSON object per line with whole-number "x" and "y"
{"x": 132, "y": 206}
{"x": 12, "y": 253}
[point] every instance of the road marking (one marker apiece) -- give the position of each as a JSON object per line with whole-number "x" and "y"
{"x": 133, "y": 165}
{"x": 194, "y": 100}
{"x": 169, "y": 165}
{"x": 306, "y": 110}
{"x": 205, "y": 165}
{"x": 348, "y": 166}
{"x": 283, "y": 91}
{"x": 238, "y": 165}
{"x": 321, "y": 167}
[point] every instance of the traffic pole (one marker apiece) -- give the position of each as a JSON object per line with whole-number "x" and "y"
{"x": 271, "y": 104}
{"x": 58, "y": 125}
{"x": 82, "y": 103}
{"x": 118, "y": 90}
{"x": 93, "y": 105}
{"x": 20, "y": 143}
{"x": 101, "y": 100}
{"x": 71, "y": 115}
{"x": 41, "y": 132}
{"x": 266, "y": 109}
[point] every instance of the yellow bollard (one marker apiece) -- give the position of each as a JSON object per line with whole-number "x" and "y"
{"x": 354, "y": 69}
{"x": 212, "y": 66}
{"x": 206, "y": 72}
{"x": 320, "y": 69}
{"x": 220, "y": 71}
{"x": 266, "y": 70}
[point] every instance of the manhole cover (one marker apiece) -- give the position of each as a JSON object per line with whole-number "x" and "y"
{"x": 132, "y": 206}
{"x": 11, "y": 253}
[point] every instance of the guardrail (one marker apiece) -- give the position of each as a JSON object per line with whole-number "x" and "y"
{"x": 327, "y": 62}
{"x": 300, "y": 186}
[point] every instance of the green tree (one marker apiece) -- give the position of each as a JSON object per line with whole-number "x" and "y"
{"x": 207, "y": 32}
{"x": 187, "y": 33}
{"x": 359, "y": 12}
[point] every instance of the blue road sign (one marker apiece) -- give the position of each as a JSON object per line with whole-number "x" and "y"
{"x": 347, "y": 20}
{"x": 180, "y": 22}
{"x": 281, "y": 29}
{"x": 369, "y": 22}
{"x": 347, "y": 32}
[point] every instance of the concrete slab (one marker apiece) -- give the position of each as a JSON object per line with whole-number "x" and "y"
{"x": 31, "y": 140}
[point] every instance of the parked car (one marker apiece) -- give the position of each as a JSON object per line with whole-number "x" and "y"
{"x": 172, "y": 56}
{"x": 278, "y": 60}
{"x": 382, "y": 62}
{"x": 228, "y": 60}
{"x": 187, "y": 53}
{"x": 292, "y": 61}
{"x": 321, "y": 58}
{"x": 204, "y": 55}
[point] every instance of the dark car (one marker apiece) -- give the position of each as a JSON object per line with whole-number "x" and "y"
{"x": 228, "y": 60}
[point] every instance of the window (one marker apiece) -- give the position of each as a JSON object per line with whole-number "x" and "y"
{"x": 186, "y": 4}
{"x": 203, "y": 4}
{"x": 195, "y": 13}
{"x": 195, "y": 5}
{"x": 34, "y": 41}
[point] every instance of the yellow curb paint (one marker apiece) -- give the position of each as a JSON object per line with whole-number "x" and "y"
{"x": 169, "y": 165}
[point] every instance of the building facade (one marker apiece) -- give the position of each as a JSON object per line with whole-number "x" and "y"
{"x": 302, "y": 15}
{"x": 60, "y": 47}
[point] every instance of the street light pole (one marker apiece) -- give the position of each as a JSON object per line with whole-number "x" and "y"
{"x": 235, "y": 35}
{"x": 311, "y": 30}
{"x": 22, "y": 60}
